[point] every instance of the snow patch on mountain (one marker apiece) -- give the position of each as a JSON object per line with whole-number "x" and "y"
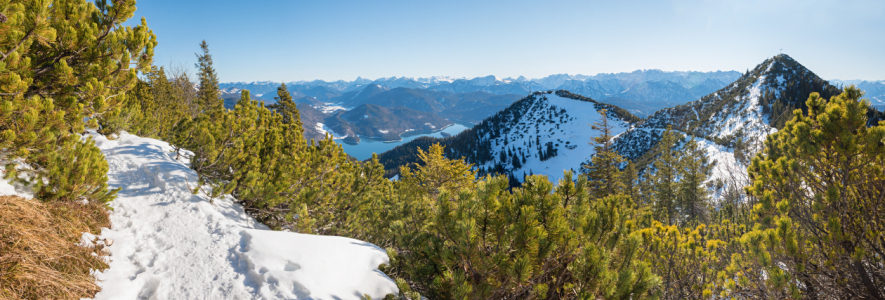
{"x": 562, "y": 122}
{"x": 330, "y": 108}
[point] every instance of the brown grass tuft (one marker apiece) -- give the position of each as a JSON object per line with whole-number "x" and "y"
{"x": 39, "y": 255}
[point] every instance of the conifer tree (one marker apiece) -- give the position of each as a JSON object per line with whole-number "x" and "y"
{"x": 285, "y": 106}
{"x": 437, "y": 172}
{"x": 665, "y": 187}
{"x": 209, "y": 94}
{"x": 693, "y": 194}
{"x": 629, "y": 178}
{"x": 249, "y": 153}
{"x": 477, "y": 240}
{"x": 689, "y": 260}
{"x": 604, "y": 171}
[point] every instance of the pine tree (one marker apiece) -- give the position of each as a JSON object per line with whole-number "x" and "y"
{"x": 604, "y": 172}
{"x": 664, "y": 181}
{"x": 481, "y": 241}
{"x": 629, "y": 178}
{"x": 285, "y": 106}
{"x": 693, "y": 195}
{"x": 208, "y": 93}
{"x": 438, "y": 173}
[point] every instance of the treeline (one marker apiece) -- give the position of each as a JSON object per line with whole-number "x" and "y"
{"x": 621, "y": 113}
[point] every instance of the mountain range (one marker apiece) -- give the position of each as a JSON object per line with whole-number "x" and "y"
{"x": 641, "y": 91}
{"x": 875, "y": 90}
{"x": 548, "y": 132}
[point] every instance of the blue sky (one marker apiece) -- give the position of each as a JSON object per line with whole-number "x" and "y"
{"x": 292, "y": 40}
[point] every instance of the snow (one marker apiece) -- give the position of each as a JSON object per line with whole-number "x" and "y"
{"x": 15, "y": 188}
{"x": 330, "y": 108}
{"x": 576, "y": 131}
{"x": 748, "y": 117}
{"x": 321, "y": 128}
{"x": 171, "y": 244}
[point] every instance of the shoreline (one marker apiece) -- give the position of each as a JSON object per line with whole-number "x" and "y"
{"x": 417, "y": 132}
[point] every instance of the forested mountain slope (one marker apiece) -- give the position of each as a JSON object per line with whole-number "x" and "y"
{"x": 755, "y": 105}
{"x": 544, "y": 133}
{"x": 387, "y": 124}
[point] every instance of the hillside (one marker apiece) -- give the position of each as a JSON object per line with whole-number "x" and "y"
{"x": 387, "y": 124}
{"x": 171, "y": 244}
{"x": 750, "y": 108}
{"x": 544, "y": 133}
{"x": 732, "y": 123}
{"x": 311, "y": 117}
{"x": 469, "y": 107}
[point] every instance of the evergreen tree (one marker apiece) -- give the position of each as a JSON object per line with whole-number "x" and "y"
{"x": 629, "y": 179}
{"x": 480, "y": 241}
{"x": 285, "y": 106}
{"x": 152, "y": 109}
{"x": 604, "y": 172}
{"x": 209, "y": 94}
{"x": 437, "y": 172}
{"x": 270, "y": 169}
{"x": 689, "y": 260}
{"x": 664, "y": 181}
{"x": 693, "y": 194}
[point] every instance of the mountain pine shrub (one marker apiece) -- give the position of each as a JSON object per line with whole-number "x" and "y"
{"x": 451, "y": 236}
{"x": 818, "y": 221}
{"x": 62, "y": 62}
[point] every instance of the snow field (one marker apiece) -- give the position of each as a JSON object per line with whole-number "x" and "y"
{"x": 576, "y": 130}
{"x": 171, "y": 244}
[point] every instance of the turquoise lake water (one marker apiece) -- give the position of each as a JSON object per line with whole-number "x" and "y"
{"x": 367, "y": 146}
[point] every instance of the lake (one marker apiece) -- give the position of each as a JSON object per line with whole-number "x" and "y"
{"x": 367, "y": 146}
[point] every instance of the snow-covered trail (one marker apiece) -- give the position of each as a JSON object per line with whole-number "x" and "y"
{"x": 171, "y": 244}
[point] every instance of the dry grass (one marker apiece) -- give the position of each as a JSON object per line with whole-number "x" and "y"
{"x": 39, "y": 255}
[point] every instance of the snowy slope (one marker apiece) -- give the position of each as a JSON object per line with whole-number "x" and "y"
{"x": 544, "y": 133}
{"x": 740, "y": 112}
{"x": 553, "y": 119}
{"x": 170, "y": 244}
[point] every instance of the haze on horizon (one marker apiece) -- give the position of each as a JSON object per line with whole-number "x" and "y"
{"x": 306, "y": 40}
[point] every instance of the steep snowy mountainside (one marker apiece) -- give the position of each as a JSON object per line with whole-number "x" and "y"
{"x": 544, "y": 133}
{"x": 172, "y": 244}
{"x": 746, "y": 110}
